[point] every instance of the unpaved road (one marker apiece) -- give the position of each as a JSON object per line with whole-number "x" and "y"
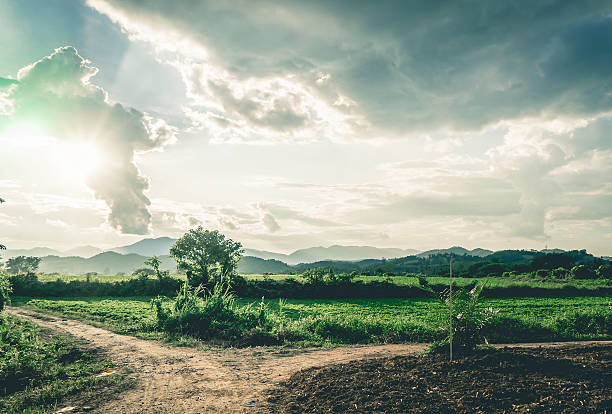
{"x": 186, "y": 380}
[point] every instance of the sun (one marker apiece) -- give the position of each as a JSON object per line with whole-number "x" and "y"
{"x": 80, "y": 160}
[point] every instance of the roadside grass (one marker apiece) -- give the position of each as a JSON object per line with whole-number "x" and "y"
{"x": 344, "y": 321}
{"x": 37, "y": 372}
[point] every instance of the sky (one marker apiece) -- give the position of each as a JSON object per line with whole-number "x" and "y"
{"x": 285, "y": 125}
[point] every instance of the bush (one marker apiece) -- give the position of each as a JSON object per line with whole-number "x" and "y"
{"x": 583, "y": 272}
{"x": 214, "y": 315}
{"x": 5, "y": 290}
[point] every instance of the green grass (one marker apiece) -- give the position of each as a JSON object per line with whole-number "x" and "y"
{"x": 361, "y": 320}
{"x": 38, "y": 372}
{"x": 398, "y": 280}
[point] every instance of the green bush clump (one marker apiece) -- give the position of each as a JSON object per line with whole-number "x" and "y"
{"x": 214, "y": 315}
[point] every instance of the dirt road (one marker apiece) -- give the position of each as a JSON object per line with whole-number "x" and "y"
{"x": 185, "y": 380}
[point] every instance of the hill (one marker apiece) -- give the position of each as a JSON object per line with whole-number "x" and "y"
{"x": 456, "y": 250}
{"x": 148, "y": 247}
{"x": 335, "y": 252}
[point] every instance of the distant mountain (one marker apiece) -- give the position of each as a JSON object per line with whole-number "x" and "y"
{"x": 35, "y": 251}
{"x": 148, "y": 247}
{"x": 263, "y": 254}
{"x": 83, "y": 251}
{"x": 456, "y": 250}
{"x": 256, "y": 265}
{"x": 107, "y": 263}
{"x": 335, "y": 252}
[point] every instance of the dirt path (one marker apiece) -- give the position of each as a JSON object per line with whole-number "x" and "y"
{"x": 186, "y": 380}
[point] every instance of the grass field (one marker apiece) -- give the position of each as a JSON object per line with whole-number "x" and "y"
{"x": 393, "y": 320}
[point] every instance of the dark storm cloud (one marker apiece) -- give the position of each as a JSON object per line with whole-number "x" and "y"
{"x": 417, "y": 65}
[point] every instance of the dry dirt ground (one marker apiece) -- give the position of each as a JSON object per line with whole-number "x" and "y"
{"x": 186, "y": 380}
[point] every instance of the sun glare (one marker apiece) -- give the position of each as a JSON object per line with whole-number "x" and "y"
{"x": 81, "y": 160}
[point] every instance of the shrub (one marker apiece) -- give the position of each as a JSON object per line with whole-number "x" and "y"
{"x": 469, "y": 321}
{"x": 5, "y": 290}
{"x": 583, "y": 272}
{"x": 215, "y": 315}
{"x": 605, "y": 271}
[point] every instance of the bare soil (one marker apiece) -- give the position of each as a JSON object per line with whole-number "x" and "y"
{"x": 572, "y": 379}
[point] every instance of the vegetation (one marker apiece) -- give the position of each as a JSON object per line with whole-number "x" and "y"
{"x": 22, "y": 265}
{"x": 5, "y": 290}
{"x": 466, "y": 320}
{"x": 37, "y": 373}
{"x": 206, "y": 257}
{"x": 326, "y": 321}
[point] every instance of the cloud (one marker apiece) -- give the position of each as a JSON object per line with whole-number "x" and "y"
{"x": 56, "y": 95}
{"x": 353, "y": 70}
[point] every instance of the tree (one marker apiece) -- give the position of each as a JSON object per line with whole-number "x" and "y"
{"x": 22, "y": 264}
{"x": 206, "y": 256}
{"x": 154, "y": 263}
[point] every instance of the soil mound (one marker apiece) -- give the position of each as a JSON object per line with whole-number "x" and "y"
{"x": 574, "y": 379}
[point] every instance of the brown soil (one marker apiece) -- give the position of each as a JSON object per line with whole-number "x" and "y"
{"x": 572, "y": 379}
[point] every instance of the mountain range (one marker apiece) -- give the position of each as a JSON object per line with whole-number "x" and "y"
{"x": 125, "y": 259}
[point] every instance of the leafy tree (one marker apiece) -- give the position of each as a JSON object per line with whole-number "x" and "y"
{"x": 22, "y": 264}
{"x": 154, "y": 263}
{"x": 206, "y": 256}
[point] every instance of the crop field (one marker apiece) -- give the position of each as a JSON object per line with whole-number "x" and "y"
{"x": 400, "y": 319}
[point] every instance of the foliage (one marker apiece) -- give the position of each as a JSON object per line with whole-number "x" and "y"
{"x": 143, "y": 270}
{"x": 155, "y": 263}
{"x": 469, "y": 320}
{"x": 22, "y": 264}
{"x": 5, "y": 290}
{"x": 323, "y": 321}
{"x": 36, "y": 373}
{"x": 207, "y": 257}
{"x": 605, "y": 271}
{"x": 29, "y": 285}
{"x": 215, "y": 315}
{"x": 583, "y": 272}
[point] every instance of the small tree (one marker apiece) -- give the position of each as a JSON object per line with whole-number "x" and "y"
{"x": 22, "y": 265}
{"x": 155, "y": 263}
{"x": 206, "y": 256}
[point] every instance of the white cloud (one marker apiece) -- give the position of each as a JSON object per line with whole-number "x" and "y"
{"x": 55, "y": 95}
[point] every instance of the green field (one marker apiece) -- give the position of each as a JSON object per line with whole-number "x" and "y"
{"x": 392, "y": 320}
{"x": 398, "y": 280}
